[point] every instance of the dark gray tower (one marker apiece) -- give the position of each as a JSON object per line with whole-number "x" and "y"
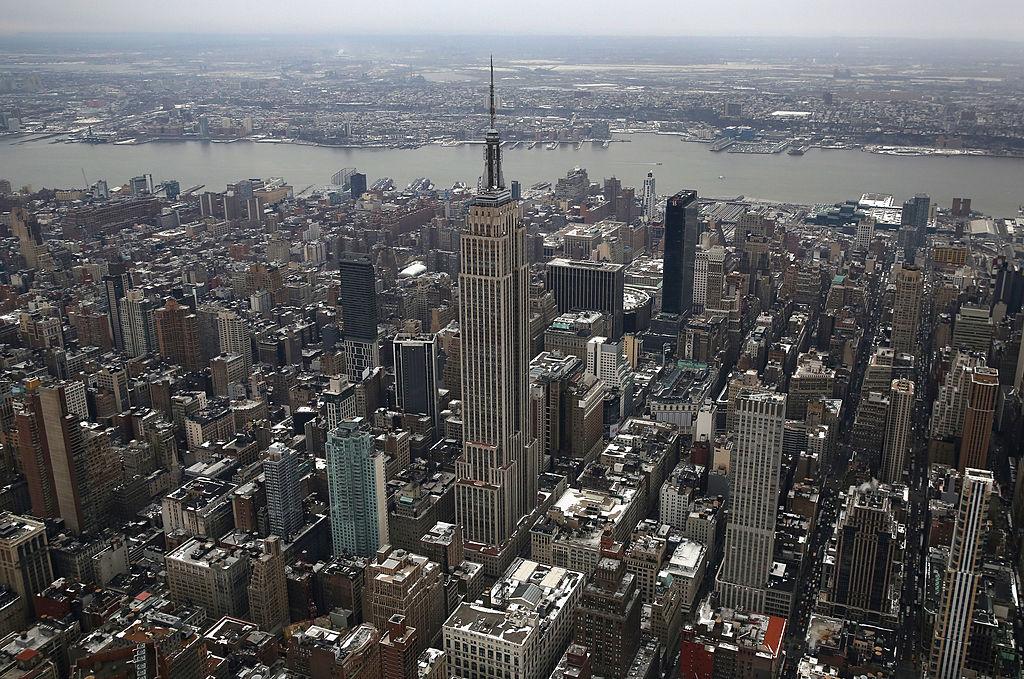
{"x": 589, "y": 286}
{"x": 681, "y": 234}
{"x": 358, "y": 297}
{"x": 115, "y": 286}
{"x": 416, "y": 373}
{"x": 914, "y": 224}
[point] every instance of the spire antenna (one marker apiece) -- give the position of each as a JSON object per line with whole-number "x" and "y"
{"x": 492, "y": 93}
{"x": 492, "y": 179}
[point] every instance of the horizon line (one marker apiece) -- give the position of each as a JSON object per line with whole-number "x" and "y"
{"x": 327, "y": 33}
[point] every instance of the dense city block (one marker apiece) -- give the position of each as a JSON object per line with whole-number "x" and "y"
{"x": 505, "y": 430}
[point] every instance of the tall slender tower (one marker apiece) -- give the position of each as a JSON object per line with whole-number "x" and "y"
{"x": 114, "y": 286}
{"x": 650, "y": 197}
{"x": 268, "y": 588}
{"x": 953, "y": 626}
{"x": 138, "y": 332}
{"x": 897, "y": 430}
{"x": 417, "y": 364}
{"x": 978, "y": 417}
{"x": 66, "y": 446}
{"x": 682, "y": 232}
{"x": 906, "y": 312}
{"x": 357, "y": 489}
{"x": 949, "y": 409}
{"x": 497, "y": 472}
{"x": 177, "y": 334}
{"x": 284, "y": 490}
{"x": 754, "y": 475}
{"x": 358, "y": 301}
{"x": 233, "y": 337}
{"x": 35, "y": 458}
{"x": 914, "y": 224}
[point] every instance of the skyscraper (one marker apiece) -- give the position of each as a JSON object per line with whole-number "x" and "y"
{"x": 25, "y": 567}
{"x": 358, "y": 296}
{"x": 398, "y": 649}
{"x": 982, "y": 392}
{"x": 268, "y": 588}
{"x": 284, "y": 490}
{"x": 897, "y": 430}
{"x": 401, "y": 583}
{"x": 906, "y": 312}
{"x": 708, "y": 278}
{"x": 650, "y": 197}
{"x": 499, "y": 466}
{"x": 949, "y": 409}
{"x": 229, "y": 375}
{"x": 589, "y": 286}
{"x": 357, "y": 184}
{"x": 357, "y": 489}
{"x": 961, "y": 208}
{"x": 34, "y": 453}
{"x": 973, "y": 329}
{"x": 85, "y": 466}
{"x": 865, "y": 234}
{"x": 342, "y": 176}
{"x": 416, "y": 375}
{"x": 681, "y": 234}
{"x": 812, "y": 379}
{"x": 608, "y": 618}
{"x": 358, "y": 300}
{"x": 138, "y": 329}
{"x": 233, "y": 337}
{"x": 863, "y": 580}
{"x": 114, "y": 286}
{"x": 66, "y": 445}
{"x": 177, "y": 334}
{"x": 914, "y": 223}
{"x": 960, "y": 589}
{"x": 754, "y": 471}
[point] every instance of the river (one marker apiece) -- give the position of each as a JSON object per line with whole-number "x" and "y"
{"x": 996, "y": 185}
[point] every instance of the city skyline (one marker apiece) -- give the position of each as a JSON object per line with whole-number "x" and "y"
{"x": 564, "y": 427}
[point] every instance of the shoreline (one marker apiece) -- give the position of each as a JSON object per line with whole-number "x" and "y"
{"x": 817, "y": 177}
{"x": 28, "y": 138}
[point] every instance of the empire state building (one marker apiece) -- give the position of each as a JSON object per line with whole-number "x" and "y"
{"x": 499, "y": 467}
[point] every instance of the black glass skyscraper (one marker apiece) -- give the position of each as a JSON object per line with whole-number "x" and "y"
{"x": 589, "y": 286}
{"x": 358, "y": 297}
{"x": 115, "y": 285}
{"x": 681, "y": 234}
{"x": 416, "y": 373}
{"x": 914, "y": 224}
{"x": 357, "y": 184}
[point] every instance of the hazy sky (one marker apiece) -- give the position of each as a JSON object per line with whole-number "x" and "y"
{"x": 1002, "y": 19}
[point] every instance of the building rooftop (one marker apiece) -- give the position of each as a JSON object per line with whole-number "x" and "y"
{"x": 199, "y": 493}
{"x": 440, "y": 533}
{"x": 394, "y": 566}
{"x": 428, "y": 660}
{"x": 14, "y": 527}
{"x": 521, "y": 605}
{"x": 204, "y": 554}
{"x": 687, "y": 558}
{"x": 587, "y": 511}
{"x": 761, "y": 634}
{"x": 687, "y": 381}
